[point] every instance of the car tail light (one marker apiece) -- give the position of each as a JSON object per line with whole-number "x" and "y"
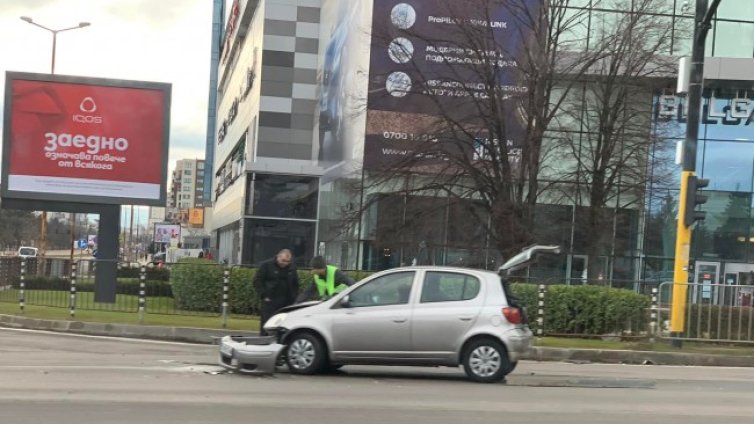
{"x": 513, "y": 315}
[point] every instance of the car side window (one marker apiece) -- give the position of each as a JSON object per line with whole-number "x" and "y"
{"x": 449, "y": 287}
{"x": 391, "y": 289}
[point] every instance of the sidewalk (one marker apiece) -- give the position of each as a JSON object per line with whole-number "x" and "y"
{"x": 206, "y": 336}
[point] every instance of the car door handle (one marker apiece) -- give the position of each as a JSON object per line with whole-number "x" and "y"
{"x": 465, "y": 318}
{"x": 400, "y": 320}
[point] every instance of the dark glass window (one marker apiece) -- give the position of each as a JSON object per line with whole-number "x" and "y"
{"x": 285, "y": 196}
{"x": 593, "y": 233}
{"x": 388, "y": 212}
{"x": 426, "y": 219}
{"x": 266, "y": 237}
{"x": 626, "y": 231}
{"x": 724, "y": 234}
{"x": 391, "y": 289}
{"x": 468, "y": 222}
{"x": 661, "y": 223}
{"x": 449, "y": 287}
{"x": 552, "y": 224}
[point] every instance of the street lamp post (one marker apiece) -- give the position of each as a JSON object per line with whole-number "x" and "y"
{"x": 688, "y": 198}
{"x": 54, "y": 35}
{"x": 43, "y": 226}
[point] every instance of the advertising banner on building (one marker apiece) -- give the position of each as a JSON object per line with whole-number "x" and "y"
{"x": 167, "y": 233}
{"x": 196, "y": 216}
{"x": 85, "y": 140}
{"x": 342, "y": 90}
{"x": 435, "y": 61}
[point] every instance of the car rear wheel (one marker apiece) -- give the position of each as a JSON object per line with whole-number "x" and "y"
{"x": 305, "y": 354}
{"x": 486, "y": 361}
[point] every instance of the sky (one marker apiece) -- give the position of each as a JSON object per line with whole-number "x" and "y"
{"x": 149, "y": 40}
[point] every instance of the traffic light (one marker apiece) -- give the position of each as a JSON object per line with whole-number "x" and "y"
{"x": 693, "y": 199}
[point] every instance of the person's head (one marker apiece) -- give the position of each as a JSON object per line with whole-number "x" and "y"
{"x": 319, "y": 266}
{"x": 284, "y": 258}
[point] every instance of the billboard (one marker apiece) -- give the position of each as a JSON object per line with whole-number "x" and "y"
{"x": 434, "y": 62}
{"x": 342, "y": 82}
{"x": 196, "y": 216}
{"x": 167, "y": 233}
{"x": 85, "y": 140}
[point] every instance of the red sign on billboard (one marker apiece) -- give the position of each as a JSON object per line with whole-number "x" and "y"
{"x": 89, "y": 140}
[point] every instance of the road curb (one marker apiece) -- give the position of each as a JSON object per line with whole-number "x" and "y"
{"x": 206, "y": 336}
{"x": 176, "y": 334}
{"x": 637, "y": 357}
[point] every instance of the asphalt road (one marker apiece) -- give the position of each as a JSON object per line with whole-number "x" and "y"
{"x": 64, "y": 379}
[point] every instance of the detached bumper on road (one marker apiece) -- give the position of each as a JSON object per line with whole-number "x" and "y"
{"x": 249, "y": 355}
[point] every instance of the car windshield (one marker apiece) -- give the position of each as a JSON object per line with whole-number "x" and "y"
{"x": 27, "y": 251}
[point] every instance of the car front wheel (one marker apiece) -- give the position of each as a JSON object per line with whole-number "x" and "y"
{"x": 486, "y": 361}
{"x": 305, "y": 354}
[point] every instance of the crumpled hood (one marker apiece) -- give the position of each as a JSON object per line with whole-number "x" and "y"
{"x": 298, "y": 306}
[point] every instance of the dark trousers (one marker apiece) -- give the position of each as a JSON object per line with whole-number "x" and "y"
{"x": 268, "y": 310}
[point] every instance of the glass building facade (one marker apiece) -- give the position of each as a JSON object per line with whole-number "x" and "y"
{"x": 262, "y": 205}
{"x": 639, "y": 241}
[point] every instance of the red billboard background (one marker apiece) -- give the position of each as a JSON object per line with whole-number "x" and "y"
{"x": 86, "y": 138}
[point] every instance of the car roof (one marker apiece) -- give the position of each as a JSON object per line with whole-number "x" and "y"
{"x": 444, "y": 269}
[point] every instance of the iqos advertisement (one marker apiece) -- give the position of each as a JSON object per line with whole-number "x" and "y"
{"x": 85, "y": 140}
{"x": 427, "y": 67}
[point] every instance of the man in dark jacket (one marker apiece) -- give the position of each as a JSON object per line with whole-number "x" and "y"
{"x": 327, "y": 280}
{"x": 276, "y": 283}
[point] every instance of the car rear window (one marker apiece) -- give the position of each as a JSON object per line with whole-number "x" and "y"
{"x": 449, "y": 287}
{"x": 27, "y": 251}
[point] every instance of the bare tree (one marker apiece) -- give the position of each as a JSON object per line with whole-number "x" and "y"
{"x": 496, "y": 113}
{"x": 611, "y": 150}
{"x": 489, "y": 102}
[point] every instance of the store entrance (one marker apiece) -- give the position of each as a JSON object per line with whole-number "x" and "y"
{"x": 706, "y": 275}
{"x": 739, "y": 275}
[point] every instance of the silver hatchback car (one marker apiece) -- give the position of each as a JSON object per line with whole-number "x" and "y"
{"x": 427, "y": 316}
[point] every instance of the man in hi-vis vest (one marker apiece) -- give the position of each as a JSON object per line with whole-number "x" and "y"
{"x": 327, "y": 281}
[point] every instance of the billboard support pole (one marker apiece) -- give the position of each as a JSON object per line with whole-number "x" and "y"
{"x": 107, "y": 254}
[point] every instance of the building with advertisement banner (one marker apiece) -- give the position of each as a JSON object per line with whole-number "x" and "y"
{"x": 335, "y": 93}
{"x": 186, "y": 191}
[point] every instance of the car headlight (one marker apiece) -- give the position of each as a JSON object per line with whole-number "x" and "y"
{"x": 276, "y": 321}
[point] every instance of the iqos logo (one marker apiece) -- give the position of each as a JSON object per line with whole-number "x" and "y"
{"x": 87, "y": 106}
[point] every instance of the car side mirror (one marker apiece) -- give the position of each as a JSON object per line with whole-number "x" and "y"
{"x": 345, "y": 302}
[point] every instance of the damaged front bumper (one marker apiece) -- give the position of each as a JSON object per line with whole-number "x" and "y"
{"x": 250, "y": 355}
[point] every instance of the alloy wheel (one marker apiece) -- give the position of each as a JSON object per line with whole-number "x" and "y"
{"x": 301, "y": 354}
{"x": 485, "y": 361}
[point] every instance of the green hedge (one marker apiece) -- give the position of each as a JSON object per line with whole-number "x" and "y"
{"x": 587, "y": 310}
{"x": 153, "y": 273}
{"x": 243, "y": 297}
{"x": 197, "y": 285}
{"x": 129, "y": 286}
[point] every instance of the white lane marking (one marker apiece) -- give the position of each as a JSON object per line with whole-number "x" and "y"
{"x": 182, "y": 368}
